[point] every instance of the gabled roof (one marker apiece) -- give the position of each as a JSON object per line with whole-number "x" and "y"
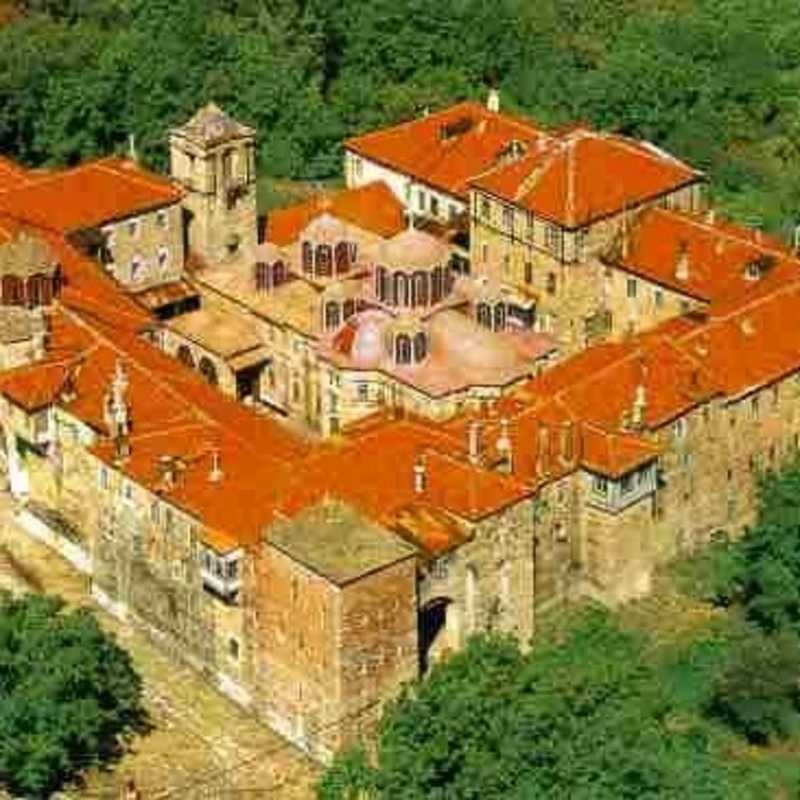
{"x": 372, "y": 208}
{"x": 583, "y": 175}
{"x": 447, "y": 148}
{"x": 88, "y": 195}
{"x": 701, "y": 257}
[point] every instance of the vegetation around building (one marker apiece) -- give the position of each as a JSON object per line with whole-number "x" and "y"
{"x": 68, "y": 695}
{"x": 714, "y": 81}
{"x": 608, "y": 706}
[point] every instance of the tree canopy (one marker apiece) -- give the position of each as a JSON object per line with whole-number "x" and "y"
{"x": 715, "y": 81}
{"x": 600, "y": 709}
{"x": 68, "y": 694}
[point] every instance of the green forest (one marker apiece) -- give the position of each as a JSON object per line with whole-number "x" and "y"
{"x": 715, "y": 81}
{"x": 691, "y": 692}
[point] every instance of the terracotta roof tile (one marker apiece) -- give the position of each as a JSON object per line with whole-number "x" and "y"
{"x": 708, "y": 260}
{"x": 88, "y": 195}
{"x": 372, "y": 207}
{"x": 421, "y": 147}
{"x": 584, "y": 175}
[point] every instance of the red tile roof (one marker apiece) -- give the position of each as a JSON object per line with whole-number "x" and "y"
{"x": 372, "y": 207}
{"x": 11, "y": 175}
{"x": 418, "y": 148}
{"x": 583, "y": 176}
{"x": 703, "y": 258}
{"x": 88, "y": 195}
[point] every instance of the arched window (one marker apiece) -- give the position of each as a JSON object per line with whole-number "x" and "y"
{"x": 308, "y": 257}
{"x": 208, "y": 370}
{"x": 185, "y": 356}
{"x": 500, "y": 317}
{"x": 137, "y": 269}
{"x": 352, "y": 249}
{"x": 449, "y": 281}
{"x": 35, "y": 290}
{"x": 420, "y": 347}
{"x": 400, "y": 289}
{"x": 342, "y": 258}
{"x": 331, "y": 315}
{"x": 484, "y": 315}
{"x": 278, "y": 273}
{"x": 380, "y": 284}
{"x": 46, "y": 289}
{"x": 12, "y": 290}
{"x": 323, "y": 266}
{"x": 262, "y": 277}
{"x": 349, "y": 308}
{"x": 402, "y": 349}
{"x": 436, "y": 290}
{"x": 57, "y": 281}
{"x": 421, "y": 288}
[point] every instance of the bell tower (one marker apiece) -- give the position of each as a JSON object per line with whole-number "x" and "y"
{"x": 213, "y": 157}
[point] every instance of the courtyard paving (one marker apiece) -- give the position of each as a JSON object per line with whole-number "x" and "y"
{"x": 202, "y": 745}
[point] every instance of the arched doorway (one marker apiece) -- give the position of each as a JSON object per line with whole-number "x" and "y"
{"x": 432, "y": 625}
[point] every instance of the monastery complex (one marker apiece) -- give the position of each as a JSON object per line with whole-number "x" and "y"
{"x": 504, "y": 368}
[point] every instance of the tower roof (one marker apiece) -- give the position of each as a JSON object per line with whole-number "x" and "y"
{"x": 211, "y": 125}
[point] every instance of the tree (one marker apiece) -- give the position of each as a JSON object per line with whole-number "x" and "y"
{"x": 757, "y": 693}
{"x": 584, "y": 717}
{"x": 68, "y": 694}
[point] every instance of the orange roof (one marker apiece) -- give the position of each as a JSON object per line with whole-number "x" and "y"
{"x": 448, "y": 148}
{"x": 372, "y": 207}
{"x": 583, "y": 175}
{"x": 703, "y": 258}
{"x": 11, "y": 175}
{"x": 88, "y": 195}
{"x": 34, "y": 387}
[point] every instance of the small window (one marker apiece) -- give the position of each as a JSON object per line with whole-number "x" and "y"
{"x": 553, "y": 238}
{"x": 631, "y": 288}
{"x": 420, "y": 199}
{"x": 485, "y": 208}
{"x": 232, "y": 570}
{"x": 133, "y": 228}
{"x": 102, "y": 477}
{"x": 600, "y": 485}
{"x": 529, "y": 218}
{"x": 626, "y": 484}
{"x": 658, "y": 298}
{"x": 137, "y": 269}
{"x": 233, "y": 648}
{"x": 679, "y": 429}
{"x": 163, "y": 259}
{"x": 155, "y": 512}
{"x": 363, "y": 392}
{"x": 162, "y": 220}
{"x": 754, "y": 409}
{"x": 127, "y": 491}
{"x": 508, "y": 218}
{"x": 550, "y": 283}
{"x": 485, "y": 253}
{"x": 528, "y": 272}
{"x": 452, "y": 212}
{"x": 434, "y": 206}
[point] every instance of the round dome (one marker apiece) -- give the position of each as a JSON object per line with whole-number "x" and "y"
{"x": 326, "y": 228}
{"x": 413, "y": 248}
{"x": 362, "y": 338}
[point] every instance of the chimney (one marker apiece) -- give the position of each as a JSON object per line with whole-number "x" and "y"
{"x": 132, "y": 154}
{"x": 493, "y": 101}
{"x": 167, "y": 472}
{"x": 682, "y": 262}
{"x": 543, "y": 455}
{"x": 116, "y": 412}
{"x": 639, "y": 407}
{"x": 215, "y": 474}
{"x": 420, "y": 475}
{"x": 567, "y": 443}
{"x": 504, "y": 447}
{"x": 474, "y": 441}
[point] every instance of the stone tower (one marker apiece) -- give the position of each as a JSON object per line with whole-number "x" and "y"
{"x": 213, "y": 157}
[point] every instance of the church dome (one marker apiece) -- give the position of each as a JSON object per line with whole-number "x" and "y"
{"x": 412, "y": 249}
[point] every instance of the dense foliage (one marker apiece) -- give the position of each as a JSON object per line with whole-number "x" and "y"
{"x": 717, "y": 81}
{"x": 67, "y": 694}
{"x": 601, "y": 711}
